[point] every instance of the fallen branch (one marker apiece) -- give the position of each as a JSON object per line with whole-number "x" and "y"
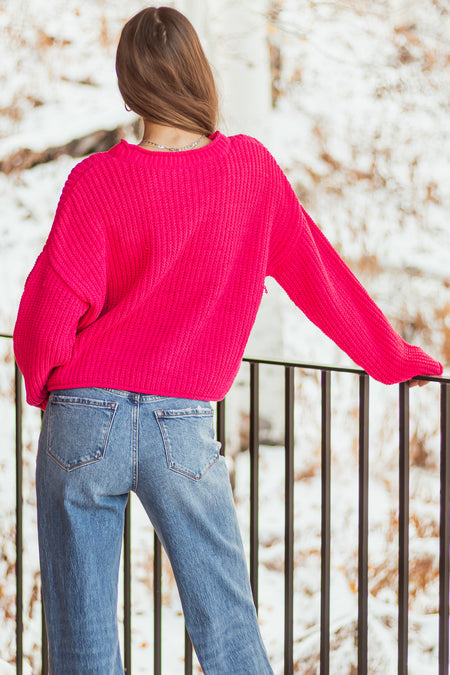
{"x": 96, "y": 141}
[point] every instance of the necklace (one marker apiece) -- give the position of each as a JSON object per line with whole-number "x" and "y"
{"x": 166, "y": 147}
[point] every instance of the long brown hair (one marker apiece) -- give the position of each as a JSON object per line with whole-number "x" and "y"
{"x": 163, "y": 73}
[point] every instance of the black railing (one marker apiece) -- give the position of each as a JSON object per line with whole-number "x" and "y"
{"x": 290, "y": 370}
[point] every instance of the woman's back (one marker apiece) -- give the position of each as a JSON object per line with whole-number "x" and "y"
{"x": 169, "y": 252}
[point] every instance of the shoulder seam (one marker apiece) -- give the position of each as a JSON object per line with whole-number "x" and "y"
{"x": 81, "y": 171}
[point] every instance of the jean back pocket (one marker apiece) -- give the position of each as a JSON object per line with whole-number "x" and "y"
{"x": 78, "y": 430}
{"x": 188, "y": 436}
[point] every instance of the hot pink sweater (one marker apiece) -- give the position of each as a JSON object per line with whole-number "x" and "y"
{"x": 154, "y": 270}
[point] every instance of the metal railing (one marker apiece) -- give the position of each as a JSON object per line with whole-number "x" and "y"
{"x": 289, "y": 525}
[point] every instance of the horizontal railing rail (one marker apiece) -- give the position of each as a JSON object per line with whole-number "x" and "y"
{"x": 290, "y": 368}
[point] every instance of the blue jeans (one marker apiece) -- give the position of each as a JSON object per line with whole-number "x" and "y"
{"x": 95, "y": 446}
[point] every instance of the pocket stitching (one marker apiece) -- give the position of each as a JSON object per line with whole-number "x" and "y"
{"x": 186, "y": 412}
{"x": 93, "y": 403}
{"x": 77, "y": 400}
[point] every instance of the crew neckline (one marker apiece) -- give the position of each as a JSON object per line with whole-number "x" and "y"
{"x": 167, "y": 157}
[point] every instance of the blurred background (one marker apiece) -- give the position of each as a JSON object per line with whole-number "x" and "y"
{"x": 352, "y": 97}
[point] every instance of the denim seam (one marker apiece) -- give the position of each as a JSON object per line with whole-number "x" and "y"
{"x": 78, "y": 400}
{"x": 185, "y": 412}
{"x": 135, "y": 444}
{"x": 124, "y": 393}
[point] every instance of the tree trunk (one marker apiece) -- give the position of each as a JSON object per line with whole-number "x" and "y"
{"x": 234, "y": 35}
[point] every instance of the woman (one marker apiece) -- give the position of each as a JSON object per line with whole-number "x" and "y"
{"x": 134, "y": 317}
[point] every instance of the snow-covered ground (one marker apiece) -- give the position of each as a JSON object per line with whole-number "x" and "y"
{"x": 362, "y": 128}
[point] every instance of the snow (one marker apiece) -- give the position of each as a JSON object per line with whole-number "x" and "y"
{"x": 362, "y": 131}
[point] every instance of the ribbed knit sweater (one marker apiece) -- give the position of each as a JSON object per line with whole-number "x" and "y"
{"x": 154, "y": 269}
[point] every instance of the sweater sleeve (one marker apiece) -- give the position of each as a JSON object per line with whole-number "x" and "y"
{"x": 319, "y": 282}
{"x": 76, "y": 243}
{"x": 46, "y": 326}
{"x": 65, "y": 291}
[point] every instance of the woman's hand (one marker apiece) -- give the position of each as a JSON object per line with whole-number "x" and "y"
{"x": 417, "y": 383}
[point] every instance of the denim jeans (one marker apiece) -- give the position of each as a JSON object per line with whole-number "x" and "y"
{"x": 95, "y": 446}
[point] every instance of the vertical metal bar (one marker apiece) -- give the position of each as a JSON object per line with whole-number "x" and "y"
{"x": 444, "y": 532}
{"x": 157, "y": 604}
{"x": 289, "y": 523}
{"x": 363, "y": 534}
{"x": 187, "y": 653}
{"x": 254, "y": 478}
{"x": 19, "y": 520}
{"x": 127, "y": 587}
{"x": 403, "y": 564}
{"x": 44, "y": 636}
{"x": 221, "y": 425}
{"x": 326, "y": 499}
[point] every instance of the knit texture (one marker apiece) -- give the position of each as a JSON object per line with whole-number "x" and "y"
{"x": 154, "y": 270}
